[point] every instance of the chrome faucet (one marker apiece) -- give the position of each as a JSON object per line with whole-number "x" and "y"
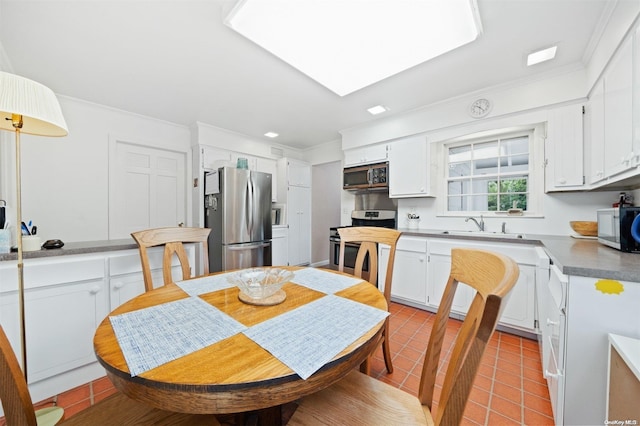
{"x": 480, "y": 224}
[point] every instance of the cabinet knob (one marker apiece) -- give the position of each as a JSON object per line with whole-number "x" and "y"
{"x": 563, "y": 181}
{"x": 549, "y": 322}
{"x": 95, "y": 290}
{"x": 118, "y": 285}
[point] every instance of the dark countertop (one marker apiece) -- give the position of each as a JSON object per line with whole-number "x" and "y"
{"x": 84, "y": 247}
{"x": 573, "y": 256}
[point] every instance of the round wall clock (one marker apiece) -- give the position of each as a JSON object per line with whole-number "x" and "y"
{"x": 480, "y": 108}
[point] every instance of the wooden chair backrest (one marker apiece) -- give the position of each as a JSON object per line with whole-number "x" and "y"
{"x": 493, "y": 276}
{"x": 14, "y": 393}
{"x": 173, "y": 240}
{"x": 369, "y": 237}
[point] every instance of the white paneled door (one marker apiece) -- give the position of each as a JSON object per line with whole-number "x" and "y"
{"x": 146, "y": 188}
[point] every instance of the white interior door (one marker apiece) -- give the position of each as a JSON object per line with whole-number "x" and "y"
{"x": 146, "y": 188}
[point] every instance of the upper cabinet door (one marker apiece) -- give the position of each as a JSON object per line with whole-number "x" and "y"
{"x": 299, "y": 173}
{"x": 409, "y": 168}
{"x": 594, "y": 137}
{"x": 365, "y": 155}
{"x": 636, "y": 99}
{"x": 618, "y": 111}
{"x": 563, "y": 149}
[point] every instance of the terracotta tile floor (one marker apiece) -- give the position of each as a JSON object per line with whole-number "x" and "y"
{"x": 509, "y": 388}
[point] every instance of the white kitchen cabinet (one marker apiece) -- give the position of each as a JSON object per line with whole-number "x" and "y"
{"x": 635, "y": 161}
{"x": 280, "y": 246}
{"x": 519, "y": 311}
{"x": 439, "y": 269}
{"x": 299, "y": 220}
{"x": 294, "y": 172}
{"x": 409, "y": 282}
{"x": 409, "y": 168}
{"x": 552, "y": 314}
{"x": 564, "y": 162}
{"x": 65, "y": 300}
{"x": 594, "y": 135}
{"x": 66, "y": 297}
{"x": 214, "y": 158}
{"x": 618, "y": 79}
{"x": 268, "y": 165}
{"x": 589, "y": 310}
{"x": 294, "y": 190}
{"x": 125, "y": 272}
{"x": 366, "y": 155}
{"x": 251, "y": 160}
{"x": 520, "y": 308}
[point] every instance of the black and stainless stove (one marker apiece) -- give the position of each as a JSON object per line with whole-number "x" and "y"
{"x": 380, "y": 218}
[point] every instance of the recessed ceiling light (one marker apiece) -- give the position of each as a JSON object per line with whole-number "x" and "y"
{"x": 541, "y": 55}
{"x": 378, "y": 109}
{"x": 349, "y": 44}
{"x": 271, "y": 134}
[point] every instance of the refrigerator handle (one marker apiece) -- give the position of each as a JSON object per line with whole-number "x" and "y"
{"x": 248, "y": 207}
{"x": 237, "y": 247}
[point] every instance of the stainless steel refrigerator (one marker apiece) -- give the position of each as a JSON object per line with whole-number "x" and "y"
{"x": 238, "y": 211}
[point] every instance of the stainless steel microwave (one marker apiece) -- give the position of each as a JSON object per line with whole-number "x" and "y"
{"x": 371, "y": 176}
{"x": 620, "y": 228}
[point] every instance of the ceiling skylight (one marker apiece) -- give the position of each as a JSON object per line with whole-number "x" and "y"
{"x": 346, "y": 45}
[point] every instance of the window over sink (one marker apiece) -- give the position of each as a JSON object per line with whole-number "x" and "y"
{"x": 490, "y": 172}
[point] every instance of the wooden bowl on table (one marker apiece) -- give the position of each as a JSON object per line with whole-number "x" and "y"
{"x": 587, "y": 229}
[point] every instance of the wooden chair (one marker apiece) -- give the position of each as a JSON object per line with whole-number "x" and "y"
{"x": 369, "y": 237}
{"x": 361, "y": 400}
{"x": 172, "y": 239}
{"x": 114, "y": 410}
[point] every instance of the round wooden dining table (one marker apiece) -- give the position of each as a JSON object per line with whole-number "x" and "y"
{"x": 236, "y": 374}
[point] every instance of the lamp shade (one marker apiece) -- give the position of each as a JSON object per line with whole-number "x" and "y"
{"x": 36, "y": 103}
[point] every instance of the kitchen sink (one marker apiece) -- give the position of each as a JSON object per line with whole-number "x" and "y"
{"x": 485, "y": 234}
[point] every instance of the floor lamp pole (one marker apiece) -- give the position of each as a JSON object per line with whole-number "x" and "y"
{"x": 17, "y": 124}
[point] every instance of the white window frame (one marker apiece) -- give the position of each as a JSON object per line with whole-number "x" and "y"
{"x": 537, "y": 134}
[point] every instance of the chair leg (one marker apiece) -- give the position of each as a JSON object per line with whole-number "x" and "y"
{"x": 386, "y": 351}
{"x": 365, "y": 367}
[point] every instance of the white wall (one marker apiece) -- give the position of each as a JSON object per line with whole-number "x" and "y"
{"x": 326, "y": 184}
{"x": 65, "y": 180}
{"x": 324, "y": 153}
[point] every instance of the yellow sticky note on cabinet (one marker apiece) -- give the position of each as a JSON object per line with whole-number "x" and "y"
{"x": 609, "y": 286}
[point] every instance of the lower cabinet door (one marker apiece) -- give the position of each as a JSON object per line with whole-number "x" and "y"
{"x": 519, "y": 309}
{"x": 439, "y": 269}
{"x": 60, "y": 322}
{"x": 409, "y": 281}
